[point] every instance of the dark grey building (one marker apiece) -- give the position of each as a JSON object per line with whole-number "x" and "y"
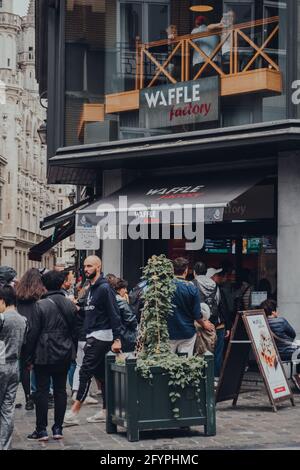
{"x": 168, "y": 94}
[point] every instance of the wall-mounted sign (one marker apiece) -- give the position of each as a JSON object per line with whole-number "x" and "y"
{"x": 86, "y": 234}
{"x": 179, "y": 104}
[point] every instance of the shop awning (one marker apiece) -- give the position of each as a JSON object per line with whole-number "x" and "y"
{"x": 64, "y": 226}
{"x": 61, "y": 232}
{"x": 147, "y": 199}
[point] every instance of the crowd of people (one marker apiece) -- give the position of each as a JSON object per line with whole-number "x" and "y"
{"x": 54, "y": 330}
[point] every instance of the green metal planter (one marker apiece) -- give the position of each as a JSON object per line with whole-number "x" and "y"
{"x": 138, "y": 405}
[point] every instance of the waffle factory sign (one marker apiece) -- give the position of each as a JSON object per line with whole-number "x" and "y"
{"x": 180, "y": 104}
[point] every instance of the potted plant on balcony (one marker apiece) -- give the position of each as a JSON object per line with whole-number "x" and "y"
{"x": 155, "y": 388}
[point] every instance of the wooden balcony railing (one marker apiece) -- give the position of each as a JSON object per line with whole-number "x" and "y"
{"x": 252, "y": 66}
{"x": 182, "y": 46}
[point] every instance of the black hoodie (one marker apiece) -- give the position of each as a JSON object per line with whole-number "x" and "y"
{"x": 101, "y": 309}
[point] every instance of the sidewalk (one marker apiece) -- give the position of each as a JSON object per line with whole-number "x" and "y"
{"x": 251, "y": 425}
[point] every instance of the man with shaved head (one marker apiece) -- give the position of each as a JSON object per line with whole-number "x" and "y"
{"x": 102, "y": 326}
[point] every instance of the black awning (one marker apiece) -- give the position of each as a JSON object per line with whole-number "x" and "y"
{"x": 63, "y": 216}
{"x": 146, "y": 198}
{"x": 61, "y": 232}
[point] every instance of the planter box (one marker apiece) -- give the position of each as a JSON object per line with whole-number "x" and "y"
{"x": 138, "y": 405}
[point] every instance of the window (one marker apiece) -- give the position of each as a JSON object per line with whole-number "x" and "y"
{"x": 8, "y": 62}
{"x": 127, "y": 49}
{"x": 60, "y": 205}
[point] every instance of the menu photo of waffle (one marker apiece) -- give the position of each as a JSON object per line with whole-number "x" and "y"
{"x": 267, "y": 351}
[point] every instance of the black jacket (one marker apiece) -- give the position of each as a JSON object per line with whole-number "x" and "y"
{"x": 101, "y": 309}
{"x": 128, "y": 325}
{"x": 281, "y": 328}
{"x": 52, "y": 341}
{"x": 80, "y": 319}
{"x": 28, "y": 309}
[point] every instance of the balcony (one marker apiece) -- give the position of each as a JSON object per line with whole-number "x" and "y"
{"x": 26, "y": 58}
{"x": 252, "y": 66}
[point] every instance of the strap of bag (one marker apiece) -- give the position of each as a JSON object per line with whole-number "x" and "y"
{"x": 2, "y": 321}
{"x": 62, "y": 314}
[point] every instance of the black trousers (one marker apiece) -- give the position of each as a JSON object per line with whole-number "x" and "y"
{"x": 93, "y": 365}
{"x": 59, "y": 377}
{"x": 25, "y": 378}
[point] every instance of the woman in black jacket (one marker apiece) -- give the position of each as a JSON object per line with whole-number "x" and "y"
{"x": 128, "y": 318}
{"x": 52, "y": 349}
{"x": 29, "y": 290}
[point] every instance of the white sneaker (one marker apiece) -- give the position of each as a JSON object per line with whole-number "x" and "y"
{"x": 98, "y": 417}
{"x": 71, "y": 418}
{"x": 90, "y": 401}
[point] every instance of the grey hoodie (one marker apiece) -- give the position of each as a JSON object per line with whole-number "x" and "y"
{"x": 208, "y": 288}
{"x": 12, "y": 334}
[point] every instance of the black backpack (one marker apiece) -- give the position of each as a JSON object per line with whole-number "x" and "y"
{"x": 211, "y": 301}
{"x": 135, "y": 299}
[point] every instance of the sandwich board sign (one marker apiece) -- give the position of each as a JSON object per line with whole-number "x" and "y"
{"x": 251, "y": 330}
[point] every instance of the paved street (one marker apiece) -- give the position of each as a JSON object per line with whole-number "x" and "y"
{"x": 251, "y": 425}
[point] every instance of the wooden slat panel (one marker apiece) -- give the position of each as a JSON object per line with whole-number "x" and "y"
{"x": 125, "y": 101}
{"x": 262, "y": 80}
{"x": 91, "y": 112}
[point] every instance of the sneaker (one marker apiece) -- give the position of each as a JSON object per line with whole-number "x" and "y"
{"x": 71, "y": 419}
{"x": 98, "y": 417}
{"x": 41, "y": 436}
{"x": 296, "y": 380}
{"x": 57, "y": 432}
{"x": 90, "y": 401}
{"x": 29, "y": 405}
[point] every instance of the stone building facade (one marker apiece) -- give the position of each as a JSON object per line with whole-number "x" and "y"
{"x": 25, "y": 197}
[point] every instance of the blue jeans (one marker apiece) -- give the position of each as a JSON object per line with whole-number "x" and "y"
{"x": 219, "y": 349}
{"x": 71, "y": 374}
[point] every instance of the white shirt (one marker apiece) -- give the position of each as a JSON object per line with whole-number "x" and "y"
{"x": 206, "y": 44}
{"x": 101, "y": 335}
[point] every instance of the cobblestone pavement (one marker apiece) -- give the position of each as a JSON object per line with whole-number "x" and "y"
{"x": 250, "y": 425}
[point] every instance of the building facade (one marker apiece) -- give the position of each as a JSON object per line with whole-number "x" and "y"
{"x": 25, "y": 195}
{"x": 165, "y": 96}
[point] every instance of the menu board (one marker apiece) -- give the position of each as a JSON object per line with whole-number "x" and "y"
{"x": 267, "y": 355}
{"x": 251, "y": 246}
{"x": 269, "y": 245}
{"x": 221, "y": 246}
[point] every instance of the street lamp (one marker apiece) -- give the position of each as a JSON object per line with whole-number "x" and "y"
{"x": 42, "y": 132}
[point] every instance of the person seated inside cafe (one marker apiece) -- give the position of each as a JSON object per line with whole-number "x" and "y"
{"x": 284, "y": 335}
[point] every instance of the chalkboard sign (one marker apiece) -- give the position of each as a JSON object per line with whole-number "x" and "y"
{"x": 251, "y": 331}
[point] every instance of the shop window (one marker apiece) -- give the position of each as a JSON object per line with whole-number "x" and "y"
{"x": 115, "y": 54}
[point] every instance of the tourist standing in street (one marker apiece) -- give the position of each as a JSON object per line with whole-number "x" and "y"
{"x": 12, "y": 333}
{"x": 29, "y": 290}
{"x": 52, "y": 349}
{"x": 186, "y": 311}
{"x": 103, "y": 333}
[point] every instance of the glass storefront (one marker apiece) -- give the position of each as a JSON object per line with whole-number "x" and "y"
{"x": 143, "y": 68}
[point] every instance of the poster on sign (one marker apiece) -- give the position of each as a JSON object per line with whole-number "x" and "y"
{"x": 267, "y": 355}
{"x": 251, "y": 331}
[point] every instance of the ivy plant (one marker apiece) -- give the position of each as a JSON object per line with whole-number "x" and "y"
{"x": 153, "y": 343}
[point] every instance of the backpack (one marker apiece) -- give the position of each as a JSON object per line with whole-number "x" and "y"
{"x": 136, "y": 301}
{"x": 211, "y": 301}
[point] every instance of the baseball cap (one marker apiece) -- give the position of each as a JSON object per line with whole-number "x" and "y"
{"x": 212, "y": 271}
{"x": 200, "y": 20}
